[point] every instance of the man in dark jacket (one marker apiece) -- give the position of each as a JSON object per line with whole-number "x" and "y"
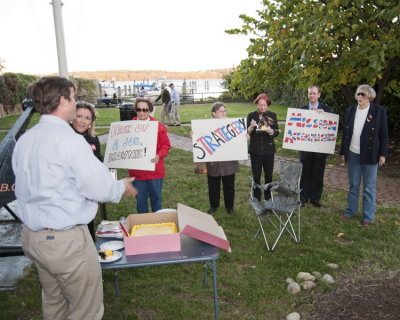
{"x": 312, "y": 177}
{"x": 166, "y": 100}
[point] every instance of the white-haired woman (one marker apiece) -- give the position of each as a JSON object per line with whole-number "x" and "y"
{"x": 364, "y": 148}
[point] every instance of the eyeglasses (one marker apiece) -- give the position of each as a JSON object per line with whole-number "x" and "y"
{"x": 142, "y": 110}
{"x": 361, "y": 94}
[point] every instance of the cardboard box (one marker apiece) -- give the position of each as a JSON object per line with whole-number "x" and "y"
{"x": 191, "y": 222}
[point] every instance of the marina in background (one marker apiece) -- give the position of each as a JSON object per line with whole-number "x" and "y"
{"x": 197, "y": 89}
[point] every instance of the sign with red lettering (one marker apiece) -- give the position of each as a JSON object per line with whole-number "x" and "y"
{"x": 132, "y": 145}
{"x": 219, "y": 140}
{"x": 310, "y": 130}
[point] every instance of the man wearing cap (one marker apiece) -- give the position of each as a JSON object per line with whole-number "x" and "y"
{"x": 166, "y": 101}
{"x": 175, "y": 102}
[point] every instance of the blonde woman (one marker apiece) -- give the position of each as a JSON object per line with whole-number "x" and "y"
{"x": 84, "y": 124}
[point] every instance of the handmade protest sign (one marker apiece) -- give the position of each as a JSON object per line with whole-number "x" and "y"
{"x": 219, "y": 140}
{"x": 131, "y": 145}
{"x": 308, "y": 130}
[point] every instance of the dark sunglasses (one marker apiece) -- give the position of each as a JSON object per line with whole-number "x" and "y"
{"x": 142, "y": 110}
{"x": 361, "y": 94}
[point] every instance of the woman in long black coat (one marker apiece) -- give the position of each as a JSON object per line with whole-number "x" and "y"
{"x": 262, "y": 126}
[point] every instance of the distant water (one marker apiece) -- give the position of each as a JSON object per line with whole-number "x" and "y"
{"x": 199, "y": 88}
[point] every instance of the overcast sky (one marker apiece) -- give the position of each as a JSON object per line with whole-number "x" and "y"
{"x": 171, "y": 35}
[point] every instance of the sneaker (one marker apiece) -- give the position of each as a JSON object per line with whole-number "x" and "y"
{"x": 211, "y": 210}
{"x": 345, "y": 217}
{"x": 365, "y": 224}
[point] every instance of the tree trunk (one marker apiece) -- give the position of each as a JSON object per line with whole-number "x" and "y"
{"x": 348, "y": 94}
{"x": 7, "y": 110}
{"x": 385, "y": 78}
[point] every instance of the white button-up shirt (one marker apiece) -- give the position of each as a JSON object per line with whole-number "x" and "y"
{"x": 175, "y": 96}
{"x": 58, "y": 179}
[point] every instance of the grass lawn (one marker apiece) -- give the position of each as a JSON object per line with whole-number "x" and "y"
{"x": 2, "y": 134}
{"x": 7, "y": 122}
{"x": 251, "y": 281}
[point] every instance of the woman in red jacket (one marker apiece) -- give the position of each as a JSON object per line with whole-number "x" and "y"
{"x": 149, "y": 183}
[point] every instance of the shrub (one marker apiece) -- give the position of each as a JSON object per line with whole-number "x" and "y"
{"x": 13, "y": 87}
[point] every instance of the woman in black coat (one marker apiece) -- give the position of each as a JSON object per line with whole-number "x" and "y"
{"x": 84, "y": 124}
{"x": 262, "y": 126}
{"x": 364, "y": 148}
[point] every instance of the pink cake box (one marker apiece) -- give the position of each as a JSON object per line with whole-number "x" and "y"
{"x": 191, "y": 222}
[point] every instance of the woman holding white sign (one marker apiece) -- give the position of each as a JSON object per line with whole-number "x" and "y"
{"x": 364, "y": 148}
{"x": 221, "y": 170}
{"x": 149, "y": 183}
{"x": 262, "y": 126}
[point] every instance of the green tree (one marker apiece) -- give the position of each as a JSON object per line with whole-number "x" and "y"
{"x": 14, "y": 86}
{"x": 184, "y": 88}
{"x": 86, "y": 89}
{"x": 233, "y": 93}
{"x": 336, "y": 44}
{"x": 1, "y": 65}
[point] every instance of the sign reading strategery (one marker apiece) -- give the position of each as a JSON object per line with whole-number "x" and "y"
{"x": 219, "y": 140}
{"x": 308, "y": 130}
{"x": 132, "y": 145}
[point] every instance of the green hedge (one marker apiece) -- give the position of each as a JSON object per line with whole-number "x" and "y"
{"x": 13, "y": 87}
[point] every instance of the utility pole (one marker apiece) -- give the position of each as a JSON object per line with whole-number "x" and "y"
{"x": 59, "y": 29}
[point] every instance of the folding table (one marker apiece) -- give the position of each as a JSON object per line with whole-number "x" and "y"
{"x": 192, "y": 251}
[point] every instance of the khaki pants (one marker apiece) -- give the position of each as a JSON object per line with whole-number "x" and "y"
{"x": 165, "y": 113}
{"x": 69, "y": 271}
{"x": 174, "y": 114}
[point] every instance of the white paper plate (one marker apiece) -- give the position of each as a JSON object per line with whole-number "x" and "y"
{"x": 112, "y": 245}
{"x": 116, "y": 256}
